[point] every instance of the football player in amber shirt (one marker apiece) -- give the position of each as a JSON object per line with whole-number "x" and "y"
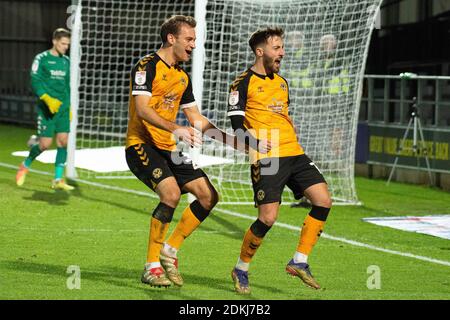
{"x": 159, "y": 87}
{"x": 259, "y": 113}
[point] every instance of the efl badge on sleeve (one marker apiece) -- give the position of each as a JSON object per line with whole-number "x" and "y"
{"x": 234, "y": 98}
{"x": 140, "y": 77}
{"x": 35, "y": 66}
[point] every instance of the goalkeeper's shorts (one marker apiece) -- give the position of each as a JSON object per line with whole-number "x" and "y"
{"x": 152, "y": 165}
{"x": 49, "y": 124}
{"x": 271, "y": 175}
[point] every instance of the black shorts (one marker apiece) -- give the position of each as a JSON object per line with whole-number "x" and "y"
{"x": 270, "y": 175}
{"x": 152, "y": 165}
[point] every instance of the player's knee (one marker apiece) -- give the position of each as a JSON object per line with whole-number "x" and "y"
{"x": 199, "y": 211}
{"x": 61, "y": 142}
{"x": 163, "y": 212}
{"x": 326, "y": 202}
{"x": 268, "y": 220}
{"x": 171, "y": 197}
{"x": 44, "y": 146}
{"x": 259, "y": 228}
{"x": 208, "y": 199}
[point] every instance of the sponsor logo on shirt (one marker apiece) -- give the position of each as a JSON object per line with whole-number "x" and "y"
{"x": 276, "y": 106}
{"x": 58, "y": 73}
{"x": 169, "y": 99}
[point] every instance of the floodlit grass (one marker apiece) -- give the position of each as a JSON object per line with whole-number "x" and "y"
{"x": 104, "y": 232}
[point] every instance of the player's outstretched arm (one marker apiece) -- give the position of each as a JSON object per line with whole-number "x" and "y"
{"x": 246, "y": 137}
{"x": 202, "y": 124}
{"x": 148, "y": 114}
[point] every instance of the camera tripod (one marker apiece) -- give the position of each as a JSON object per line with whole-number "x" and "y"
{"x": 418, "y": 151}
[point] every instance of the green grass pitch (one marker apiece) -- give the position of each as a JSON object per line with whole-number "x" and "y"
{"x": 104, "y": 232}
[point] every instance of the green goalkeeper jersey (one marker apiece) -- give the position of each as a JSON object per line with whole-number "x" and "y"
{"x": 51, "y": 75}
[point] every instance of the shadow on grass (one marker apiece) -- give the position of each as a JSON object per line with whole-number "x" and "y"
{"x": 110, "y": 276}
{"x": 54, "y": 198}
{"x": 126, "y": 278}
{"x": 78, "y": 192}
{"x": 225, "y": 284}
{"x": 234, "y": 231}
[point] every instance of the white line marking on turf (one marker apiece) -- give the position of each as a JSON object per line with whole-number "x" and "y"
{"x": 95, "y": 184}
{"x": 244, "y": 216}
{"x": 344, "y": 240}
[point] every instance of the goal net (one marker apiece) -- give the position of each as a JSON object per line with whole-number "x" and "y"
{"x": 326, "y": 47}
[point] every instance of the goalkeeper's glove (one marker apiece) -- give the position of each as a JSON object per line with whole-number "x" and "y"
{"x": 53, "y": 104}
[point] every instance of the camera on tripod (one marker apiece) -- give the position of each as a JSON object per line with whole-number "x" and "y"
{"x": 421, "y": 151}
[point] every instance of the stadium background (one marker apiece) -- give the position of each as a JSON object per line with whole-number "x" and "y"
{"x": 413, "y": 37}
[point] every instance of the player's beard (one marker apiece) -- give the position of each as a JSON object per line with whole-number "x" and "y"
{"x": 270, "y": 65}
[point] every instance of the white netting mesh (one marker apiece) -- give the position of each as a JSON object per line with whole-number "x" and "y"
{"x": 114, "y": 35}
{"x": 326, "y": 47}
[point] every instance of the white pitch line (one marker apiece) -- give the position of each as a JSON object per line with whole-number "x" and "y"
{"x": 95, "y": 184}
{"x": 344, "y": 240}
{"x": 244, "y": 216}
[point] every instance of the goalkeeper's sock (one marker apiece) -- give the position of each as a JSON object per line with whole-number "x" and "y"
{"x": 34, "y": 152}
{"x": 312, "y": 229}
{"x": 191, "y": 218}
{"x": 252, "y": 240}
{"x": 158, "y": 232}
{"x": 60, "y": 162}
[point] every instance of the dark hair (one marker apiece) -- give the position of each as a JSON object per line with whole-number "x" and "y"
{"x": 262, "y": 35}
{"x": 61, "y": 33}
{"x": 173, "y": 25}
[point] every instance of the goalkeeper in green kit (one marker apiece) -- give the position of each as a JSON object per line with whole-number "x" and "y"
{"x": 50, "y": 81}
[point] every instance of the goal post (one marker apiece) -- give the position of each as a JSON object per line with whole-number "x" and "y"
{"x": 326, "y": 47}
{"x": 74, "y": 94}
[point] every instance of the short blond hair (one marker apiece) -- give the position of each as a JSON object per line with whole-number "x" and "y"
{"x": 60, "y": 33}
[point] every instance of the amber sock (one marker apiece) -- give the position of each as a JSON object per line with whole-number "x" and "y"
{"x": 252, "y": 240}
{"x": 158, "y": 232}
{"x": 312, "y": 229}
{"x": 191, "y": 218}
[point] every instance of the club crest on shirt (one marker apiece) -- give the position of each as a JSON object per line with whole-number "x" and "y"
{"x": 140, "y": 76}
{"x": 233, "y": 98}
{"x": 183, "y": 81}
{"x": 157, "y": 173}
{"x": 283, "y": 86}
